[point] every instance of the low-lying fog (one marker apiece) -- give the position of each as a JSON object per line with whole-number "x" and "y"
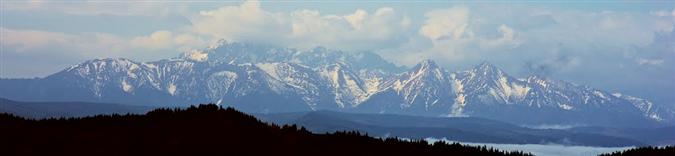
{"x": 545, "y": 149}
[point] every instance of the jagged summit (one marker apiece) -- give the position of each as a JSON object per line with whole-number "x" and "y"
{"x": 486, "y": 68}
{"x": 427, "y": 68}
{"x": 106, "y": 60}
{"x": 225, "y": 44}
{"x": 486, "y": 64}
{"x": 427, "y": 64}
{"x": 224, "y": 52}
{"x": 101, "y": 64}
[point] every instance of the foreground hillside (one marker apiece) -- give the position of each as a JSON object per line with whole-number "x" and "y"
{"x": 206, "y": 129}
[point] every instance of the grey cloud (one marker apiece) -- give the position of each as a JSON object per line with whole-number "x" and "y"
{"x": 550, "y": 66}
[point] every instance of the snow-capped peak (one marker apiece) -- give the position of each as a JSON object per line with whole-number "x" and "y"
{"x": 348, "y": 87}
{"x": 427, "y": 68}
{"x": 646, "y": 106}
{"x": 196, "y": 55}
{"x": 424, "y": 86}
{"x": 217, "y": 44}
{"x": 426, "y": 64}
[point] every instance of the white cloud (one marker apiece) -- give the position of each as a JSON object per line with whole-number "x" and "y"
{"x": 247, "y": 22}
{"x": 196, "y": 55}
{"x": 86, "y": 44}
{"x": 507, "y": 39}
{"x": 356, "y": 19}
{"x": 463, "y": 35}
{"x": 445, "y": 23}
{"x": 188, "y": 41}
{"x": 79, "y": 46}
{"x": 443, "y": 37}
{"x": 99, "y": 7}
{"x": 653, "y": 62}
{"x": 45, "y": 52}
{"x": 666, "y": 20}
{"x": 664, "y": 13}
{"x": 157, "y": 40}
{"x": 508, "y": 34}
{"x": 167, "y": 40}
{"x": 455, "y": 35}
{"x": 303, "y": 28}
{"x": 357, "y": 31}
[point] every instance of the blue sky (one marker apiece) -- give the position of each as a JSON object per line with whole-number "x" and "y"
{"x": 626, "y": 46}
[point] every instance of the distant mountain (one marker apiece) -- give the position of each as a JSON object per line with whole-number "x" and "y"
{"x": 463, "y": 129}
{"x": 202, "y": 130}
{"x": 262, "y": 78}
{"x": 38, "y": 110}
{"x": 653, "y": 136}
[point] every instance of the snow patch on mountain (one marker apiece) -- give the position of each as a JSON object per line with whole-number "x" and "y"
{"x": 566, "y": 106}
{"x": 512, "y": 89}
{"x": 126, "y": 87}
{"x": 647, "y": 107}
{"x": 197, "y": 55}
{"x": 269, "y": 68}
{"x": 171, "y": 89}
{"x": 460, "y": 100}
{"x": 347, "y": 87}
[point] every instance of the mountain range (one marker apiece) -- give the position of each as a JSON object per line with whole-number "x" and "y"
{"x": 270, "y": 79}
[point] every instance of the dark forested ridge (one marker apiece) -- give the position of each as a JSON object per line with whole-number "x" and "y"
{"x": 202, "y": 130}
{"x": 49, "y": 109}
{"x": 644, "y": 151}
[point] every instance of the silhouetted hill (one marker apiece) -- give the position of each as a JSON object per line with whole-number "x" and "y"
{"x": 202, "y": 130}
{"x": 65, "y": 109}
{"x": 643, "y": 151}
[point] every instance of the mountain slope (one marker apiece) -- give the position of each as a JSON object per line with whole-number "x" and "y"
{"x": 425, "y": 89}
{"x": 486, "y": 91}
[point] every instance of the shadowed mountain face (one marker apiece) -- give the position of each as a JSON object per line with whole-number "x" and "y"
{"x": 260, "y": 78}
{"x": 203, "y": 130}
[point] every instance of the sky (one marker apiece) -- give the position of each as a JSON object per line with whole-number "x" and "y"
{"x": 619, "y": 46}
